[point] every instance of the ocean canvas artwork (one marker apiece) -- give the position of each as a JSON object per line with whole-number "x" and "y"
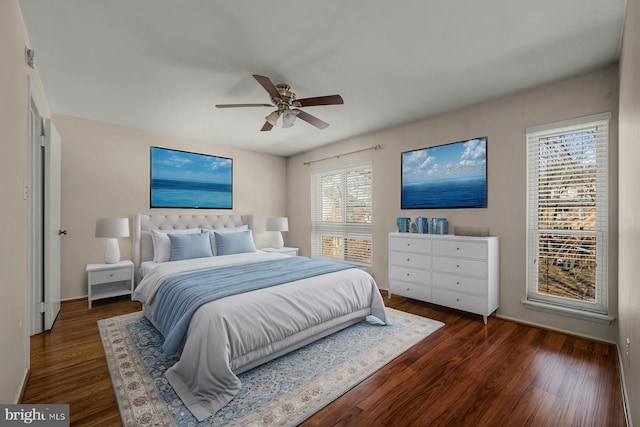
{"x": 446, "y": 176}
{"x": 180, "y": 179}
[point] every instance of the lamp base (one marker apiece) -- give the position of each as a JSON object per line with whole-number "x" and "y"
{"x": 278, "y": 241}
{"x": 111, "y": 251}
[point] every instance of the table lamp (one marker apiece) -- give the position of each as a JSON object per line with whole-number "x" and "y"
{"x": 111, "y": 229}
{"x": 277, "y": 225}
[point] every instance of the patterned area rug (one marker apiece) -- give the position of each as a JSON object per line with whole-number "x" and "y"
{"x": 283, "y": 392}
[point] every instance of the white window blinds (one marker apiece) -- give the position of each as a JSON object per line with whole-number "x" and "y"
{"x": 341, "y": 214}
{"x": 567, "y": 213}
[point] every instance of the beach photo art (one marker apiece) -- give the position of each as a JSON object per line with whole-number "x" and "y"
{"x": 181, "y": 179}
{"x": 446, "y": 176}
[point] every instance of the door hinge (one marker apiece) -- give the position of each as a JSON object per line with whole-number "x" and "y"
{"x": 42, "y": 307}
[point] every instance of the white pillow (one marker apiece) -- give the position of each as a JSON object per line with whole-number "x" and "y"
{"x": 212, "y": 237}
{"x": 162, "y": 244}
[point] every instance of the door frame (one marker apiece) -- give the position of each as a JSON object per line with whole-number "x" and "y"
{"x": 34, "y": 193}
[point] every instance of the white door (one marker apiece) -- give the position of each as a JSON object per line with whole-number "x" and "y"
{"x": 52, "y": 231}
{"x": 35, "y": 221}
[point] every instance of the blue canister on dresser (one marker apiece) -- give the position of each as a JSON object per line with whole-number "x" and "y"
{"x": 403, "y": 224}
{"x": 423, "y": 224}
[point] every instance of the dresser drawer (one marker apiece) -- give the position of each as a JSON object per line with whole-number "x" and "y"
{"x": 456, "y": 248}
{"x": 409, "y": 259}
{"x": 470, "y": 303}
{"x": 107, "y": 276}
{"x": 410, "y": 290}
{"x": 461, "y": 284}
{"x": 408, "y": 244}
{"x": 460, "y": 266}
{"x": 409, "y": 274}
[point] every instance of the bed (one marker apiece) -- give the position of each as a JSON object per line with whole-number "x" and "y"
{"x": 233, "y": 308}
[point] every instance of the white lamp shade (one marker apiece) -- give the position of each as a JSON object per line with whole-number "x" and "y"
{"x": 277, "y": 224}
{"x": 112, "y": 228}
{"x": 273, "y": 117}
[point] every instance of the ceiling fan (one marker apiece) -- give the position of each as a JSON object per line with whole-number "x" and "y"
{"x": 287, "y": 105}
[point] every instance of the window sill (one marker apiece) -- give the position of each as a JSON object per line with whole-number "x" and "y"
{"x": 569, "y": 312}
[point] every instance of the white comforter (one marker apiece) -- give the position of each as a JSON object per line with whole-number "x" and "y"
{"x": 237, "y": 333}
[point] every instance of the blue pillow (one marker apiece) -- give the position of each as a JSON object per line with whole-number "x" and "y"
{"x": 187, "y": 246}
{"x": 234, "y": 243}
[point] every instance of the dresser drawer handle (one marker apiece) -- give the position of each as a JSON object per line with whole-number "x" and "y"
{"x": 111, "y": 275}
{"x": 408, "y": 274}
{"x": 457, "y": 265}
{"x": 408, "y": 244}
{"x": 408, "y": 289}
{"x": 457, "y": 283}
{"x": 408, "y": 259}
{"x": 458, "y": 299}
{"x": 457, "y": 249}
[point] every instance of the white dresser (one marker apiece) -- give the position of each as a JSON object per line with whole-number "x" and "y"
{"x": 454, "y": 271}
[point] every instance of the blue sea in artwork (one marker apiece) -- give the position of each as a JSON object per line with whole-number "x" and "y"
{"x": 468, "y": 192}
{"x": 173, "y": 193}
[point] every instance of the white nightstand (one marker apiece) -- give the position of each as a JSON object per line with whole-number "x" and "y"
{"x": 285, "y": 250}
{"x": 110, "y": 280}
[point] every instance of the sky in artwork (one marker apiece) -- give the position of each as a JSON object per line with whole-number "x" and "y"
{"x": 463, "y": 159}
{"x": 185, "y": 166}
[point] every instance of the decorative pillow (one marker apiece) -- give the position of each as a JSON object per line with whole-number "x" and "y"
{"x": 187, "y": 246}
{"x": 234, "y": 243}
{"x": 212, "y": 236}
{"x": 162, "y": 244}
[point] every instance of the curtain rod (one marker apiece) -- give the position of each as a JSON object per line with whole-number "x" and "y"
{"x": 340, "y": 155}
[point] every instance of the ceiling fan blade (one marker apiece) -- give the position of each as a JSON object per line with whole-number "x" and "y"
{"x": 311, "y": 119}
{"x": 268, "y": 85}
{"x": 242, "y": 105}
{"x": 267, "y": 126}
{"x": 318, "y": 100}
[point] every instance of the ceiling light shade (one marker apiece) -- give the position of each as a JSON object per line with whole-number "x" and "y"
{"x": 288, "y": 117}
{"x": 273, "y": 118}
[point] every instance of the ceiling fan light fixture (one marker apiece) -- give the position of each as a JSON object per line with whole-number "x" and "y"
{"x": 272, "y": 118}
{"x": 288, "y": 118}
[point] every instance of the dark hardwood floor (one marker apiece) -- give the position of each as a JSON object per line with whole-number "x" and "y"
{"x": 465, "y": 374}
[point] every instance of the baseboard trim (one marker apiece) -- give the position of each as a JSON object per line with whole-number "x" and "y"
{"x": 625, "y": 397}
{"x": 23, "y": 387}
{"x": 564, "y": 331}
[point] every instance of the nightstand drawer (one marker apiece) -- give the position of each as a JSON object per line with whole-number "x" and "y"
{"x": 106, "y": 276}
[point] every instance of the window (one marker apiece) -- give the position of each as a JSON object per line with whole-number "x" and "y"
{"x": 341, "y": 214}
{"x": 567, "y": 169}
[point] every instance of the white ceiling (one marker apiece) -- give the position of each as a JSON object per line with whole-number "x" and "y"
{"x": 163, "y": 64}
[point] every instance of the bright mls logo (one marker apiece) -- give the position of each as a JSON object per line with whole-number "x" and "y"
{"x": 38, "y": 415}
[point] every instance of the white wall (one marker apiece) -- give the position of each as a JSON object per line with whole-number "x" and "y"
{"x": 105, "y": 173}
{"x": 503, "y": 121}
{"x": 629, "y": 221}
{"x": 14, "y": 75}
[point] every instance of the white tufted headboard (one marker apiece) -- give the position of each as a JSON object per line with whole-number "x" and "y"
{"x": 143, "y": 224}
